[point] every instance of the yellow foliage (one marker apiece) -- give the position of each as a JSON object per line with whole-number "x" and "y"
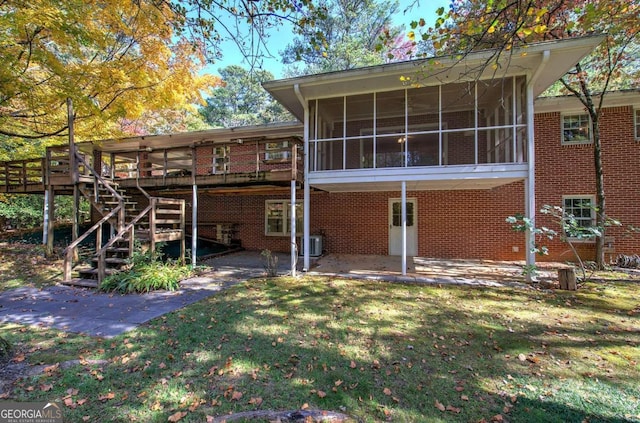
{"x": 116, "y": 59}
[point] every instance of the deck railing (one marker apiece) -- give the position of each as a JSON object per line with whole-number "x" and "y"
{"x": 242, "y": 157}
{"x": 19, "y": 175}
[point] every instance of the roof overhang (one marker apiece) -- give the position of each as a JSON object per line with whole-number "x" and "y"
{"x": 211, "y": 136}
{"x": 567, "y": 103}
{"x": 563, "y": 54}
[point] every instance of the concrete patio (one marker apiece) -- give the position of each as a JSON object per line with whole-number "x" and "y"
{"x": 387, "y": 268}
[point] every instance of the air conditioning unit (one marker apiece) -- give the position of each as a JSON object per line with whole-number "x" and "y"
{"x": 315, "y": 246}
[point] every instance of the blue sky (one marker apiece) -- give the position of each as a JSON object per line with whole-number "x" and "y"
{"x": 279, "y": 38}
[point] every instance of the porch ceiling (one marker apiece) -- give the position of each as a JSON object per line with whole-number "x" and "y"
{"x": 484, "y": 176}
{"x": 463, "y": 184}
{"x": 526, "y": 60}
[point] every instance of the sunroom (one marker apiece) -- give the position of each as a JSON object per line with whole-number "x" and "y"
{"x": 447, "y": 123}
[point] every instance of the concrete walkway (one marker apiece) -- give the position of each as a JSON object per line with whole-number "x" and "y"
{"x": 107, "y": 315}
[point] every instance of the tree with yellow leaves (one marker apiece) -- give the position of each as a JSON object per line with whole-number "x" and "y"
{"x": 116, "y": 59}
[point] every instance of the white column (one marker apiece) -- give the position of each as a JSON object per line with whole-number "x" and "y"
{"x": 530, "y": 182}
{"x": 194, "y": 224}
{"x": 404, "y": 227}
{"x": 294, "y": 249}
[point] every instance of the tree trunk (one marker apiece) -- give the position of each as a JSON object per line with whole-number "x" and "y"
{"x": 601, "y": 216}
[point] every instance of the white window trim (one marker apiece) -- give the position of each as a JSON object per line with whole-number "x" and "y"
{"x": 636, "y": 123}
{"x": 581, "y": 142}
{"x": 286, "y": 218}
{"x": 278, "y": 154}
{"x": 592, "y": 200}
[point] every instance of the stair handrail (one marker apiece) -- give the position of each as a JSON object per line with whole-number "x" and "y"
{"x": 99, "y": 178}
{"x": 117, "y": 237}
{"x": 119, "y": 209}
{"x": 68, "y": 252}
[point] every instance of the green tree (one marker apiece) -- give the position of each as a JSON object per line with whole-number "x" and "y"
{"x": 241, "y": 100}
{"x": 470, "y": 25}
{"x": 352, "y": 31}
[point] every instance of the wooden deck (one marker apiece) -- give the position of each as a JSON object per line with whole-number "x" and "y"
{"x": 251, "y": 163}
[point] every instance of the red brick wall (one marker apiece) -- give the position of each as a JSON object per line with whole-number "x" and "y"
{"x": 451, "y": 224}
{"x": 463, "y": 223}
{"x": 569, "y": 170}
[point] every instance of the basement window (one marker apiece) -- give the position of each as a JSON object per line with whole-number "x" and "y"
{"x": 277, "y": 220}
{"x": 582, "y": 208}
{"x": 636, "y": 121}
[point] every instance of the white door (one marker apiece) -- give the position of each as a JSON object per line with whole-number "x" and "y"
{"x": 395, "y": 227}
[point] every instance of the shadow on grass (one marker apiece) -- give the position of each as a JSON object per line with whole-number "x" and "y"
{"x": 376, "y": 351}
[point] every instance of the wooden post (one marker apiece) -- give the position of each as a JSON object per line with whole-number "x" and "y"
{"x": 50, "y": 211}
{"x": 75, "y": 217}
{"x": 567, "y": 279}
{"x": 72, "y": 147}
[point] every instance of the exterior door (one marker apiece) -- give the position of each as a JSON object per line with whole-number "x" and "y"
{"x": 395, "y": 227}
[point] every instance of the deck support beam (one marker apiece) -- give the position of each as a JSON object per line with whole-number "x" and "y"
{"x": 194, "y": 225}
{"x": 49, "y": 213}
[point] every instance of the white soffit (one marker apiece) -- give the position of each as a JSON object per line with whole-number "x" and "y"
{"x": 448, "y": 185}
{"x": 564, "y": 54}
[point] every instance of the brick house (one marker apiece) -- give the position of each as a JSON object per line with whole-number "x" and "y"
{"x": 421, "y": 158}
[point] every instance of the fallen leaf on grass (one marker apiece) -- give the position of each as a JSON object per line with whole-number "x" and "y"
{"x": 177, "y": 416}
{"x": 453, "y": 409}
{"x": 45, "y": 388}
{"x": 322, "y": 394}
{"x": 236, "y": 395}
{"x": 255, "y": 401}
{"x": 387, "y": 391}
{"x": 439, "y": 406}
{"x": 107, "y": 397}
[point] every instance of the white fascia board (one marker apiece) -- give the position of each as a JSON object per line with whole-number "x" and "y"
{"x": 492, "y": 171}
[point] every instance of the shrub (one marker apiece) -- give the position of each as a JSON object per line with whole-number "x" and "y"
{"x": 147, "y": 272}
{"x": 5, "y": 348}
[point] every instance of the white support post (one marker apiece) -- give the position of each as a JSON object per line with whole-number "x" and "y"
{"x": 294, "y": 249}
{"x": 306, "y": 205}
{"x": 530, "y": 184}
{"x": 194, "y": 225}
{"x": 404, "y": 227}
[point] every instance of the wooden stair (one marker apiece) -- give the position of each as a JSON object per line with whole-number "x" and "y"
{"x": 161, "y": 220}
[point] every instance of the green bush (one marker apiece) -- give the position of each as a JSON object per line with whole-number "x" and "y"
{"x": 5, "y": 348}
{"x": 147, "y": 272}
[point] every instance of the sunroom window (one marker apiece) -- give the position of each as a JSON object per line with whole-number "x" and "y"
{"x": 452, "y": 124}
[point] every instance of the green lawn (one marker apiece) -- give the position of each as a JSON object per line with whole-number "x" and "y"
{"x": 375, "y": 351}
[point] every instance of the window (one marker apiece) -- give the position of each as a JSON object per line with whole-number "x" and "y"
{"x": 637, "y": 123}
{"x": 277, "y": 150}
{"x": 576, "y": 129}
{"x": 220, "y": 159}
{"x": 277, "y": 220}
{"x": 582, "y": 210}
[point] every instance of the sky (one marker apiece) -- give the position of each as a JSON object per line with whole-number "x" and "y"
{"x": 279, "y": 38}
